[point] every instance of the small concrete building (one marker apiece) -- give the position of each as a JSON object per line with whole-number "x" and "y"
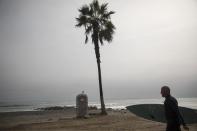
{"x": 81, "y": 105}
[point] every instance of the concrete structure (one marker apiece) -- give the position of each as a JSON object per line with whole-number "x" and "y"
{"x": 81, "y": 105}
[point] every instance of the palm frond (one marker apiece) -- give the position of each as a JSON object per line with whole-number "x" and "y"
{"x": 101, "y": 38}
{"x": 79, "y": 24}
{"x": 103, "y": 9}
{"x": 106, "y": 35}
{"x": 82, "y": 20}
{"x": 109, "y": 26}
{"x": 107, "y": 15}
{"x": 95, "y": 5}
{"x": 91, "y": 11}
{"x": 88, "y": 30}
{"x": 86, "y": 40}
{"x": 84, "y": 10}
{"x": 93, "y": 38}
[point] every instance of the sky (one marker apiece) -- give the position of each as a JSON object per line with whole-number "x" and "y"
{"x": 43, "y": 55}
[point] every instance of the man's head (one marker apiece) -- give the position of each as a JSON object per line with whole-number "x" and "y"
{"x": 165, "y": 91}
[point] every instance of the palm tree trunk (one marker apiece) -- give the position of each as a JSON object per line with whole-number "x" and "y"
{"x": 103, "y": 111}
{"x": 97, "y": 53}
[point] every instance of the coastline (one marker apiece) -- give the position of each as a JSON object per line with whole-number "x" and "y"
{"x": 14, "y": 106}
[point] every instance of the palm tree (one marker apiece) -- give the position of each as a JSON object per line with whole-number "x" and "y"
{"x": 97, "y": 22}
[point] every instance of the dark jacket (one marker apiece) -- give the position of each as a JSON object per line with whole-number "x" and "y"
{"x": 172, "y": 113}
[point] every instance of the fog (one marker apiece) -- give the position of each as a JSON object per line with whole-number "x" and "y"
{"x": 43, "y": 55}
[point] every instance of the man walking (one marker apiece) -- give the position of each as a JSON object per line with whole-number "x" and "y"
{"x": 172, "y": 113}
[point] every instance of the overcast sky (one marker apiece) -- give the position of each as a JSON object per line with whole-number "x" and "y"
{"x": 43, "y": 55}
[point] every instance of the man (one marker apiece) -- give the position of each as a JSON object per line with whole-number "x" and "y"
{"x": 172, "y": 114}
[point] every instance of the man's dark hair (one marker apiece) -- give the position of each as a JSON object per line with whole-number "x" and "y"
{"x": 166, "y": 89}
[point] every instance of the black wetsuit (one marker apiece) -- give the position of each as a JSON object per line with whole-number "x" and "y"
{"x": 173, "y": 116}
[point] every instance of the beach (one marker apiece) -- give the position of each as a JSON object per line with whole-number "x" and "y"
{"x": 65, "y": 120}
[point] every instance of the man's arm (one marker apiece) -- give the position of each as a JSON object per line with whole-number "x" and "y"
{"x": 174, "y": 107}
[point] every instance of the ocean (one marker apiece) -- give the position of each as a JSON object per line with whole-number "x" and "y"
{"x": 114, "y": 104}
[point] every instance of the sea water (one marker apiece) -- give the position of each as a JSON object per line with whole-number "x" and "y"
{"x": 114, "y": 104}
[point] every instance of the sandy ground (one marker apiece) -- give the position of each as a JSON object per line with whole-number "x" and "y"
{"x": 65, "y": 121}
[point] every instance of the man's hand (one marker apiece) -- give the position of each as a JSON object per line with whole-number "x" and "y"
{"x": 186, "y": 128}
